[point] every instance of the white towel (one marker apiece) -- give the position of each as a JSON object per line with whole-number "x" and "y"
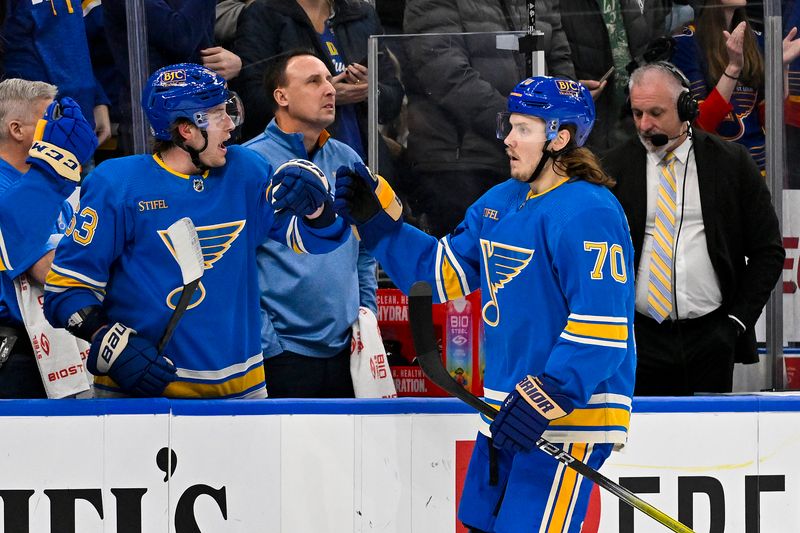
{"x": 369, "y": 368}
{"x": 61, "y": 357}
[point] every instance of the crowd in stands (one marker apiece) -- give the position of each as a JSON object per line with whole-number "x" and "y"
{"x": 444, "y": 92}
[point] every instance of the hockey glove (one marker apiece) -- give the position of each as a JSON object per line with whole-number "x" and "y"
{"x": 525, "y": 415}
{"x": 366, "y": 200}
{"x": 63, "y": 140}
{"x": 131, "y": 361}
{"x": 300, "y": 187}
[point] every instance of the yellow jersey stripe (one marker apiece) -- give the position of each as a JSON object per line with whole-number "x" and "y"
{"x": 595, "y": 342}
{"x": 602, "y": 417}
{"x": 186, "y": 389}
{"x": 566, "y": 492}
{"x": 603, "y": 331}
{"x": 63, "y": 281}
{"x": 452, "y": 285}
{"x": 163, "y": 165}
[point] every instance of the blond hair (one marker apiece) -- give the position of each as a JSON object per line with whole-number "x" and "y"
{"x": 16, "y": 97}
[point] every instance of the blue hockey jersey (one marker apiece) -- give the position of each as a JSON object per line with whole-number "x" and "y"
{"x": 556, "y": 277}
{"x": 117, "y": 252}
{"x": 28, "y": 207}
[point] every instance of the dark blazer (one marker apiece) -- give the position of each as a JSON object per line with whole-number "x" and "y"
{"x": 738, "y": 216}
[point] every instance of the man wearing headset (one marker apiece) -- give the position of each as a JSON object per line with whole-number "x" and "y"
{"x": 707, "y": 242}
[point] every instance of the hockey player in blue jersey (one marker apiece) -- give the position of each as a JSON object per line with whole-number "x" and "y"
{"x": 114, "y": 281}
{"x": 551, "y": 252}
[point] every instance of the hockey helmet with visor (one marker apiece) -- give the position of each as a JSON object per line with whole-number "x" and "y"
{"x": 189, "y": 91}
{"x": 556, "y": 101}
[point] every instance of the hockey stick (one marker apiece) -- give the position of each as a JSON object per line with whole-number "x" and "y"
{"x": 420, "y": 304}
{"x": 186, "y": 245}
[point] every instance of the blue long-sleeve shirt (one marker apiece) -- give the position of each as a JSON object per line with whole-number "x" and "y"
{"x": 46, "y": 41}
{"x": 309, "y": 302}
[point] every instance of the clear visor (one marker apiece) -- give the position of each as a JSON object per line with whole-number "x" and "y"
{"x": 527, "y": 128}
{"x": 218, "y": 116}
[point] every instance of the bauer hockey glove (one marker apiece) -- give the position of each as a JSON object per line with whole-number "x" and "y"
{"x": 525, "y": 414}
{"x": 63, "y": 140}
{"x": 299, "y": 186}
{"x": 131, "y": 361}
{"x": 366, "y": 201}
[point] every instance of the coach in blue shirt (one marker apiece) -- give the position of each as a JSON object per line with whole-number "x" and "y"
{"x": 308, "y": 302}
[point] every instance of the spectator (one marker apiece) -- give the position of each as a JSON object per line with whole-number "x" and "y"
{"x": 308, "y": 302}
{"x": 46, "y": 41}
{"x": 456, "y": 86}
{"x": 227, "y": 20}
{"x": 791, "y": 19}
{"x": 723, "y": 60}
{"x": 22, "y": 104}
{"x": 177, "y": 31}
{"x": 108, "y": 76}
{"x": 610, "y": 34}
{"x": 338, "y": 33}
{"x": 707, "y": 241}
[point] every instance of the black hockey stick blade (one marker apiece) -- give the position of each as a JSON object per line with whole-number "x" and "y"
{"x": 186, "y": 247}
{"x": 420, "y": 306}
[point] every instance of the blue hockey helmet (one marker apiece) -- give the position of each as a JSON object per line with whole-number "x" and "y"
{"x": 556, "y": 101}
{"x": 185, "y": 90}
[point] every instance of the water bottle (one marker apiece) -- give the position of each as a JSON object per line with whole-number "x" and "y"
{"x": 458, "y": 323}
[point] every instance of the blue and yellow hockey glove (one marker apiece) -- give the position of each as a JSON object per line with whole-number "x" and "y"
{"x": 525, "y": 415}
{"x": 63, "y": 141}
{"x": 131, "y": 361}
{"x": 367, "y": 201}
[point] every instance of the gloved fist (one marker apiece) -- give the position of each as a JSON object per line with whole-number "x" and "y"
{"x": 362, "y": 196}
{"x": 299, "y": 186}
{"x": 131, "y": 361}
{"x": 525, "y": 415}
{"x": 63, "y": 140}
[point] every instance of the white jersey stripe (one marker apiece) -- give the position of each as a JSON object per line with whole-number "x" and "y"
{"x": 439, "y": 281}
{"x": 456, "y": 265}
{"x": 599, "y": 318}
{"x": 4, "y": 253}
{"x": 223, "y": 373}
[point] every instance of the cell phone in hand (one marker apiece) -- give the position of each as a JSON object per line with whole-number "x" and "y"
{"x": 606, "y": 75}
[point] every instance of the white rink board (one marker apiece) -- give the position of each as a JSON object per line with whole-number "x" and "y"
{"x": 363, "y": 466}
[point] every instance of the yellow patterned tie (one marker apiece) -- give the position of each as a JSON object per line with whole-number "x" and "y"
{"x": 659, "y": 291}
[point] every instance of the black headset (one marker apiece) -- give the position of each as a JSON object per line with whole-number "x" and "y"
{"x": 687, "y": 105}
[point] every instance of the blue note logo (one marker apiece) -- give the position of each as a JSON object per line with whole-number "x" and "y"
{"x": 503, "y": 262}
{"x": 215, "y": 240}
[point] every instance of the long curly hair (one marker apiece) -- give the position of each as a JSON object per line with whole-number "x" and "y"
{"x": 581, "y": 163}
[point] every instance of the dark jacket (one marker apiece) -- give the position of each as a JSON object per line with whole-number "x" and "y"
{"x": 270, "y": 27}
{"x": 591, "y": 52}
{"x": 738, "y": 217}
{"x": 456, "y": 85}
{"x": 176, "y": 32}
